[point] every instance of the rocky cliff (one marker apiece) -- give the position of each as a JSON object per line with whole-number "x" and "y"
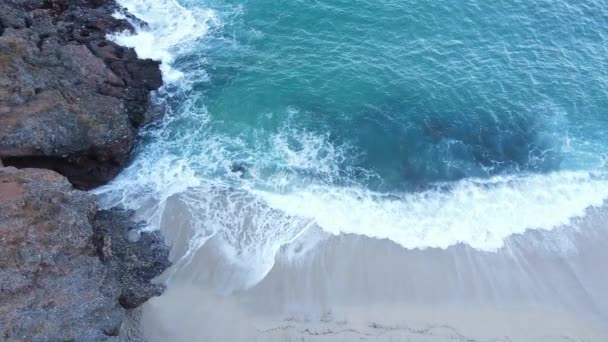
{"x": 70, "y": 100}
{"x": 70, "y": 105}
{"x": 68, "y": 272}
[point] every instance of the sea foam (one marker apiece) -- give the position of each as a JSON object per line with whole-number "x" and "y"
{"x": 253, "y": 218}
{"x": 168, "y": 29}
{"x": 479, "y": 212}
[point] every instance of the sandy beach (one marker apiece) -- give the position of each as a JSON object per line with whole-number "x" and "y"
{"x": 541, "y": 286}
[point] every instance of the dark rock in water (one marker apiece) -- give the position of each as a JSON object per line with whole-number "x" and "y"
{"x": 70, "y": 100}
{"x": 68, "y": 272}
{"x": 53, "y": 286}
{"x": 240, "y": 168}
{"x": 134, "y": 263}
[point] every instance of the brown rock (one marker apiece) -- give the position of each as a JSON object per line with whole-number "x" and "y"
{"x": 70, "y": 100}
{"x": 68, "y": 272}
{"x": 53, "y": 287}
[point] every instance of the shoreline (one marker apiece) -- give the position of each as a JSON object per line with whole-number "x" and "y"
{"x": 542, "y": 286}
{"x": 71, "y": 105}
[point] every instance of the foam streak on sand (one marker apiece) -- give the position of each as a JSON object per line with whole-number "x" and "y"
{"x": 251, "y": 226}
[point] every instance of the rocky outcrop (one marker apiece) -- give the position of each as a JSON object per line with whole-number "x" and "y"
{"x": 68, "y": 272}
{"x": 70, "y": 100}
{"x": 133, "y": 256}
{"x": 53, "y": 286}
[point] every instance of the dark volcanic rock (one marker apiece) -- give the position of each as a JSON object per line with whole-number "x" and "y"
{"x": 70, "y": 100}
{"x": 53, "y": 286}
{"x": 68, "y": 272}
{"x": 134, "y": 257}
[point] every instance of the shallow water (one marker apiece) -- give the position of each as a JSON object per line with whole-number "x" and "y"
{"x": 351, "y": 287}
{"x": 428, "y": 124}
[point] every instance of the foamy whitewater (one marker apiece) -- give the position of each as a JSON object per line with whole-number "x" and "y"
{"x": 429, "y": 125}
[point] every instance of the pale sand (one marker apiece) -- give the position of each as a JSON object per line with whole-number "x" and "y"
{"x": 543, "y": 286}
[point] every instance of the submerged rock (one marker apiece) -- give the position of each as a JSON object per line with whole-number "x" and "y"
{"x": 70, "y": 100}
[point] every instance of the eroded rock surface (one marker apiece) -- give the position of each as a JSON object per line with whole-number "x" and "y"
{"x": 134, "y": 257}
{"x": 53, "y": 286}
{"x": 70, "y": 100}
{"x": 68, "y": 272}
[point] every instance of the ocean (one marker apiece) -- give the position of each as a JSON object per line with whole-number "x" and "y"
{"x": 427, "y": 124}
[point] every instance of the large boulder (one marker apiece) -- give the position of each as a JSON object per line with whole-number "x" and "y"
{"x": 70, "y": 100}
{"x": 53, "y": 286}
{"x": 68, "y": 272}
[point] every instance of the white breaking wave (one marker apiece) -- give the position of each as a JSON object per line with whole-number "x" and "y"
{"x": 480, "y": 213}
{"x": 250, "y": 226}
{"x": 169, "y": 30}
{"x": 284, "y": 190}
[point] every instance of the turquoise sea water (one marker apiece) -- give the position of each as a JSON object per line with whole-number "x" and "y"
{"x": 425, "y": 122}
{"x": 420, "y": 91}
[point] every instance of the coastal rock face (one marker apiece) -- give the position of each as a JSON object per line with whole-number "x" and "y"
{"x": 53, "y": 286}
{"x": 70, "y": 103}
{"x": 134, "y": 257}
{"x": 68, "y": 272}
{"x": 70, "y": 100}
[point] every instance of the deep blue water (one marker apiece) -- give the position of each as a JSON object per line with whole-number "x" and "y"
{"x": 419, "y": 91}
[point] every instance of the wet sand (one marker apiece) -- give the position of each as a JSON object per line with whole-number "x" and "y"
{"x": 542, "y": 286}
